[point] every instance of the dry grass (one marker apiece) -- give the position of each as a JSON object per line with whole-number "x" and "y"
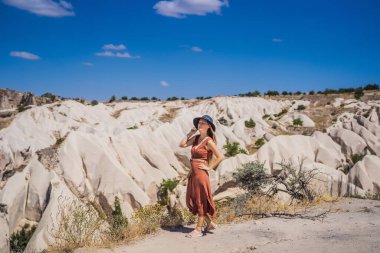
{"x": 81, "y": 226}
{"x": 247, "y": 207}
{"x": 4, "y": 123}
{"x": 168, "y": 117}
{"x": 117, "y": 113}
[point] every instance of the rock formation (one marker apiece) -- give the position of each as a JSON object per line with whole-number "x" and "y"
{"x": 91, "y": 154}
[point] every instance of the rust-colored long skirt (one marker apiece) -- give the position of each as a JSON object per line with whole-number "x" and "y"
{"x": 199, "y": 198}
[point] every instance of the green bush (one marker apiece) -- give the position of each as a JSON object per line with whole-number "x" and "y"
{"x": 22, "y": 108}
{"x": 133, "y": 127}
{"x": 346, "y": 169}
{"x": 233, "y": 149}
{"x": 283, "y": 111}
{"x": 94, "y": 102}
{"x": 119, "y": 222}
{"x": 294, "y": 180}
{"x": 297, "y": 122}
{"x": 358, "y": 93}
{"x": 266, "y": 116}
{"x": 166, "y": 186}
{"x": 250, "y": 123}
{"x": 251, "y": 177}
{"x": 59, "y": 141}
{"x": 49, "y": 95}
{"x": 20, "y": 239}
{"x": 124, "y": 98}
{"x": 301, "y": 107}
{"x": 260, "y": 142}
{"x": 223, "y": 121}
{"x": 356, "y": 158}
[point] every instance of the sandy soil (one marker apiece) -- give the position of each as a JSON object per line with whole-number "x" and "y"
{"x": 352, "y": 225}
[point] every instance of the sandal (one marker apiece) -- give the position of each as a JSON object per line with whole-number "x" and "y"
{"x": 211, "y": 226}
{"x": 194, "y": 233}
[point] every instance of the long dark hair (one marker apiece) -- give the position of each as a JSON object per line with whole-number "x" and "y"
{"x": 211, "y": 134}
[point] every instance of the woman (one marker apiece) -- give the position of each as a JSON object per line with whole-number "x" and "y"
{"x": 199, "y": 198}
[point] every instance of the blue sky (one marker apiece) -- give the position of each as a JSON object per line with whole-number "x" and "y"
{"x": 187, "y": 48}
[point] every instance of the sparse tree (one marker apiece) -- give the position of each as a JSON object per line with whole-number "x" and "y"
{"x": 112, "y": 99}
{"x": 358, "y": 93}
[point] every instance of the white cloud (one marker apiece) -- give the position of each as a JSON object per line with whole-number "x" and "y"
{"x": 66, "y": 5}
{"x": 164, "y": 84}
{"x": 88, "y": 64}
{"x": 47, "y": 8}
{"x": 277, "y": 40}
{"x": 117, "y": 55}
{"x": 123, "y": 55}
{"x": 182, "y": 8}
{"x": 109, "y": 48}
{"x": 196, "y": 49}
{"x": 24, "y": 55}
{"x": 106, "y": 53}
{"x": 114, "y": 47}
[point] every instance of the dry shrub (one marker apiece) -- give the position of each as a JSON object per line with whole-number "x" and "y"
{"x": 79, "y": 225}
{"x": 175, "y": 217}
{"x": 254, "y": 206}
{"x": 225, "y": 211}
{"x": 145, "y": 220}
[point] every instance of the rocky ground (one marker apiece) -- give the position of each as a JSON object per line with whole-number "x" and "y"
{"x": 352, "y": 225}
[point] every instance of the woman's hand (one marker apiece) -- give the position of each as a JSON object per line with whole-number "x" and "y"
{"x": 204, "y": 167}
{"x": 192, "y": 131}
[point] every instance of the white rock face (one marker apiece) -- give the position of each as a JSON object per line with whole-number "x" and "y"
{"x": 350, "y": 142}
{"x": 4, "y": 234}
{"x": 337, "y": 102}
{"x": 328, "y": 152}
{"x": 335, "y": 182}
{"x": 373, "y": 116}
{"x": 92, "y": 154}
{"x": 60, "y": 197}
{"x": 319, "y": 148}
{"x": 366, "y": 174}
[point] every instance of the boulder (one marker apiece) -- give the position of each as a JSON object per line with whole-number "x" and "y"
{"x": 373, "y": 116}
{"x": 328, "y": 152}
{"x": 350, "y": 142}
{"x": 366, "y": 174}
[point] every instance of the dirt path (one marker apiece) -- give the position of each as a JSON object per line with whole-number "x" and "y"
{"x": 352, "y": 226}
